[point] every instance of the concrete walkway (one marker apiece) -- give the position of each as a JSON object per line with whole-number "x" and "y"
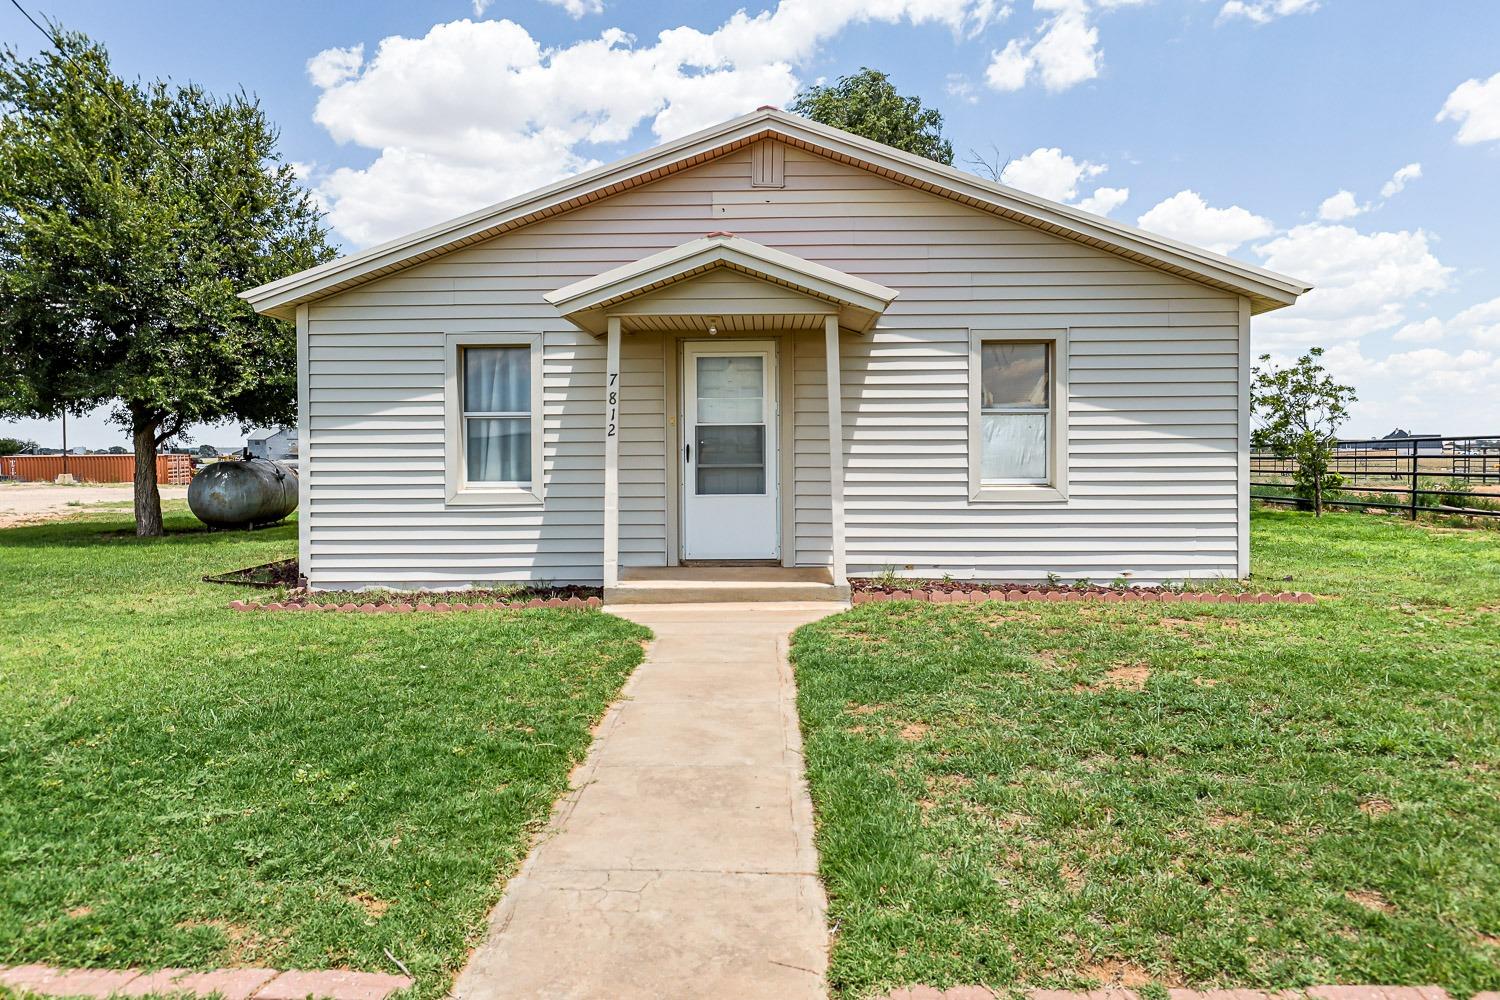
{"x": 682, "y": 863}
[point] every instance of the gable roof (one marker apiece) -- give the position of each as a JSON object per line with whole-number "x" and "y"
{"x": 1266, "y": 289}
{"x": 858, "y": 302}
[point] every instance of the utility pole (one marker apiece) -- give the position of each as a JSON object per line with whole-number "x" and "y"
{"x": 65, "y": 477}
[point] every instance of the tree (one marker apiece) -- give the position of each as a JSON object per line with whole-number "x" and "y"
{"x": 130, "y": 215}
{"x": 868, "y": 104}
{"x": 1300, "y": 408}
{"x": 15, "y": 446}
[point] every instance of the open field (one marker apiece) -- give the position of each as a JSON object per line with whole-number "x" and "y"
{"x": 181, "y": 784}
{"x": 1199, "y": 795}
{"x": 26, "y": 503}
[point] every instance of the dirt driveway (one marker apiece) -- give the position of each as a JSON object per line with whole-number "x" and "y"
{"x": 27, "y": 503}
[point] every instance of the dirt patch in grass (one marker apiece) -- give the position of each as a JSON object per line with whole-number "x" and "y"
{"x": 374, "y": 907}
{"x": 242, "y": 944}
{"x": 947, "y": 784}
{"x": 1117, "y": 972}
{"x": 1376, "y": 807}
{"x": 1122, "y": 677}
{"x": 1370, "y": 900}
{"x": 913, "y": 731}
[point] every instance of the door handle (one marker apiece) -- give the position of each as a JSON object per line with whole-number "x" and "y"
{"x": 687, "y": 453}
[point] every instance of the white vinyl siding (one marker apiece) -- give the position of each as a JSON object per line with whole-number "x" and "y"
{"x": 1152, "y": 406}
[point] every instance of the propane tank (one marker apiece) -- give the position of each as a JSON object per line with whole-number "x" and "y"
{"x": 243, "y": 494}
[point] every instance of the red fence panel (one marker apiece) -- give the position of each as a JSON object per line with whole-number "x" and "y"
{"x": 171, "y": 470}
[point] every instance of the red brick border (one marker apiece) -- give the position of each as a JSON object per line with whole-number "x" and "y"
{"x": 1121, "y": 993}
{"x": 568, "y": 603}
{"x": 230, "y": 984}
{"x": 1105, "y": 597}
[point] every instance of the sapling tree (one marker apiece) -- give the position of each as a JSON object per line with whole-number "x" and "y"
{"x": 1299, "y": 409}
{"x": 131, "y": 214}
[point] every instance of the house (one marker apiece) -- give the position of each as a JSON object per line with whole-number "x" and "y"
{"x": 640, "y": 368}
{"x": 1406, "y": 442}
{"x": 275, "y": 443}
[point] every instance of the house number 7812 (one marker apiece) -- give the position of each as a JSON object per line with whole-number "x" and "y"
{"x": 614, "y": 403}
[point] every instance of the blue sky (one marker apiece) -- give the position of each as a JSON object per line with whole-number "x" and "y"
{"x": 1354, "y": 143}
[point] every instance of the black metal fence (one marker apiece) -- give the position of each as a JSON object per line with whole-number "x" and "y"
{"x": 1447, "y": 475}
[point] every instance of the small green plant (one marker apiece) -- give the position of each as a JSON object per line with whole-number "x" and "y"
{"x": 887, "y": 576}
{"x": 1082, "y": 583}
{"x": 1120, "y": 583}
{"x": 1053, "y": 579}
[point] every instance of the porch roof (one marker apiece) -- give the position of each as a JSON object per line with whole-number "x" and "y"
{"x": 824, "y": 290}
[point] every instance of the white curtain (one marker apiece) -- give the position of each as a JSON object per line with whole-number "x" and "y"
{"x": 497, "y": 380}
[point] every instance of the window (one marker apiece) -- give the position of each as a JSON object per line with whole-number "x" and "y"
{"x": 497, "y": 415}
{"x": 1014, "y": 383}
{"x": 1018, "y": 389}
{"x": 493, "y": 405}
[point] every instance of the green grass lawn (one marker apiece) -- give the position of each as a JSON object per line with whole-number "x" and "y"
{"x": 181, "y": 784}
{"x": 1199, "y": 795}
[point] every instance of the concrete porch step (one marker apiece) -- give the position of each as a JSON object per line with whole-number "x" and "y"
{"x": 724, "y": 584}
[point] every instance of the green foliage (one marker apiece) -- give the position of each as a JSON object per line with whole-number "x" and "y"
{"x": 130, "y": 216}
{"x": 1300, "y": 409}
{"x": 868, "y": 104}
{"x": 15, "y": 446}
{"x": 1258, "y": 796}
{"x": 182, "y": 784}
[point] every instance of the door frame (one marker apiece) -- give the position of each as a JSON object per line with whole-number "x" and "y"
{"x": 749, "y": 344}
{"x": 674, "y": 360}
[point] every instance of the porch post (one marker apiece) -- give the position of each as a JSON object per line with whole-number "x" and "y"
{"x": 835, "y": 450}
{"x": 612, "y": 453}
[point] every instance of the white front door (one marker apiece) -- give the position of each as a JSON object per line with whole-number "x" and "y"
{"x": 729, "y": 450}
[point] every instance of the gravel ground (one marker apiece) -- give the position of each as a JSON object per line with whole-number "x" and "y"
{"x": 25, "y": 503}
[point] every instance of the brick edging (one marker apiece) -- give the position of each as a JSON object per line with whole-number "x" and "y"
{"x": 229, "y": 984}
{"x": 567, "y": 603}
{"x": 1112, "y": 992}
{"x": 1105, "y": 597}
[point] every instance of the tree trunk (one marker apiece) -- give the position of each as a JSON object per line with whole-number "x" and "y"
{"x": 1318, "y": 492}
{"x": 147, "y": 496}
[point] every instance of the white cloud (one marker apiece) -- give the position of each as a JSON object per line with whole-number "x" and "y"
{"x": 1062, "y": 53}
{"x": 1185, "y": 216}
{"x": 1481, "y": 322}
{"x": 958, "y": 86}
{"x": 1049, "y": 173}
{"x": 1105, "y": 200}
{"x": 1476, "y": 108}
{"x": 1338, "y": 207}
{"x": 1399, "y": 180}
{"x": 1052, "y": 174}
{"x": 1427, "y": 390}
{"x": 475, "y": 111}
{"x": 332, "y": 67}
{"x": 1425, "y": 332}
{"x": 574, "y": 8}
{"x": 1364, "y": 283}
{"x": 1265, "y": 11}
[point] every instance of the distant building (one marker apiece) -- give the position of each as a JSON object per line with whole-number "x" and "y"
{"x": 275, "y": 443}
{"x": 1399, "y": 441}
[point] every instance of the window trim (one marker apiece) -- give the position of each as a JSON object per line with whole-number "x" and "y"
{"x": 1055, "y": 488}
{"x": 457, "y": 489}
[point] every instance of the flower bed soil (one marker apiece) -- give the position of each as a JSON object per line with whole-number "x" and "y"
{"x": 282, "y": 573}
{"x": 397, "y": 602}
{"x": 872, "y": 591}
